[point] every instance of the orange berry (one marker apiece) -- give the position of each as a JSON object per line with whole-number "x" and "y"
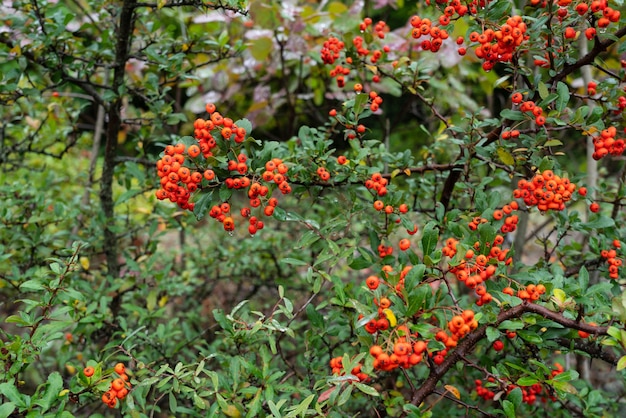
{"x": 117, "y": 384}
{"x": 384, "y": 303}
{"x": 372, "y": 282}
{"x": 404, "y": 244}
{"x": 109, "y": 396}
{"x": 121, "y": 394}
{"x": 193, "y": 151}
{"x": 583, "y": 334}
{"x": 88, "y": 371}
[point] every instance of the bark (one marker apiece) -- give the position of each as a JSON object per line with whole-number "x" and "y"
{"x": 124, "y": 35}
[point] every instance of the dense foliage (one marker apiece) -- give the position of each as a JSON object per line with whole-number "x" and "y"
{"x": 292, "y": 208}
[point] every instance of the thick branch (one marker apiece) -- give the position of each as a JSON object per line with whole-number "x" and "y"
{"x": 467, "y": 344}
{"x": 598, "y": 48}
{"x": 124, "y": 33}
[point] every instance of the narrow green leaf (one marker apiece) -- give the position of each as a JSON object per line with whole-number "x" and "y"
{"x": 527, "y": 381}
{"x": 512, "y": 114}
{"x": 563, "y": 92}
{"x": 367, "y": 389}
{"x": 54, "y": 386}
{"x": 543, "y": 90}
{"x": 6, "y": 409}
{"x": 430, "y": 236}
{"x": 505, "y": 156}
{"x": 509, "y": 408}
{"x": 9, "y": 391}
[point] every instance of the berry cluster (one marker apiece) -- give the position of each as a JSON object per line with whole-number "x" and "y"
{"x": 475, "y": 269}
{"x": 183, "y": 175}
{"x": 606, "y": 144}
{"x": 529, "y": 393}
{"x": 331, "y": 50}
{"x": 499, "y": 46}
{"x": 506, "y": 213}
{"x": 403, "y": 351}
{"x": 336, "y": 366}
{"x": 609, "y": 15}
{"x": 484, "y": 392}
{"x": 424, "y": 27}
{"x": 401, "y": 348}
{"x": 118, "y": 388}
{"x": 459, "y": 326}
{"x": 612, "y": 260}
{"x": 177, "y": 181}
{"x": 545, "y": 190}
{"x": 530, "y": 293}
{"x": 378, "y": 184}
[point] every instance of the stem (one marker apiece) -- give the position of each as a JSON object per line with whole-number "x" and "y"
{"x": 107, "y": 203}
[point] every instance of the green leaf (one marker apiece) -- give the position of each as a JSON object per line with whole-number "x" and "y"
{"x": 359, "y": 102}
{"x": 307, "y": 239}
{"x": 614, "y": 332}
{"x": 599, "y": 222}
{"x": 302, "y": 407}
{"x": 543, "y": 90}
{"x": 316, "y": 318}
{"x": 509, "y": 408}
{"x": 225, "y": 193}
{"x": 527, "y": 381}
{"x": 54, "y": 386}
{"x": 552, "y": 143}
{"x": 9, "y": 391}
{"x": 515, "y": 396}
{"x": 529, "y": 336}
{"x": 564, "y": 387}
{"x": 492, "y": 334}
{"x": 583, "y": 278}
{"x": 511, "y": 324}
{"x": 512, "y": 114}
{"x": 505, "y": 156}
{"x": 360, "y": 263}
{"x": 563, "y": 92}
{"x": 367, "y": 389}
{"x": 6, "y": 409}
{"x": 621, "y": 363}
{"x": 202, "y": 205}
{"x": 198, "y": 402}
{"x": 293, "y": 261}
{"x": 430, "y": 236}
{"x": 32, "y": 285}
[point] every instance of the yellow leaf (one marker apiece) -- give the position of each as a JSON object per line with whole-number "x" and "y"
{"x": 84, "y": 262}
{"x": 559, "y": 294}
{"x": 407, "y": 171}
{"x": 163, "y": 301}
{"x": 121, "y": 136}
{"x": 372, "y": 68}
{"x": 232, "y": 411}
{"x": 453, "y": 391}
{"x": 391, "y": 317}
{"x": 592, "y": 130}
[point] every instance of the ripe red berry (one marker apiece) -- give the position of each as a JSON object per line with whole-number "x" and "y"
{"x": 498, "y": 345}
